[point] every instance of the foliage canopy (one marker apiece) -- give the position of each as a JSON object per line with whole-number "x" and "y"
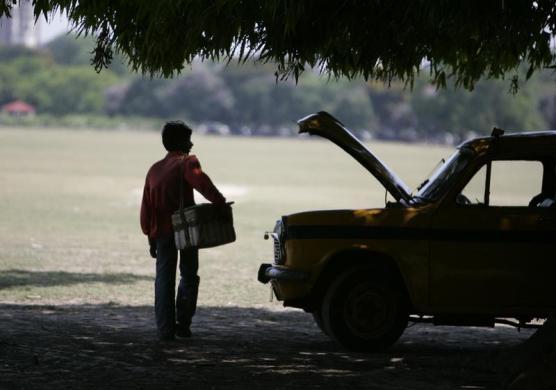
{"x": 376, "y": 39}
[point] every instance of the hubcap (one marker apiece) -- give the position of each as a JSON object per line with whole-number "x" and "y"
{"x": 367, "y": 311}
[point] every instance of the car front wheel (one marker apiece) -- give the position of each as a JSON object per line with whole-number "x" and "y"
{"x": 364, "y": 310}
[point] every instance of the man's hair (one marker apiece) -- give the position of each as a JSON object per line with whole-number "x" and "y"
{"x": 176, "y": 136}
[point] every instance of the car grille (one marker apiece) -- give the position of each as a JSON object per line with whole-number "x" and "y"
{"x": 278, "y": 236}
{"x": 277, "y": 250}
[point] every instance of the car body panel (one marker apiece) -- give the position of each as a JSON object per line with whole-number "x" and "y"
{"x": 318, "y": 236}
{"x": 498, "y": 259}
{"x": 453, "y": 259}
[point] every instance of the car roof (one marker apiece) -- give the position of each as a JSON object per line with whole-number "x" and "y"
{"x": 534, "y": 141}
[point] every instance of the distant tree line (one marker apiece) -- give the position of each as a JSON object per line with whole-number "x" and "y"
{"x": 247, "y": 98}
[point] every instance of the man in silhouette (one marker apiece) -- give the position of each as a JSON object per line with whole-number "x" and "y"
{"x": 161, "y": 197}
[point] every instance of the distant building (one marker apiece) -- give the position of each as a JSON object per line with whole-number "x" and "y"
{"x": 20, "y": 29}
{"x": 18, "y": 108}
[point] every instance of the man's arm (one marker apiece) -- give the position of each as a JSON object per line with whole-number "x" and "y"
{"x": 201, "y": 182}
{"x": 145, "y": 216}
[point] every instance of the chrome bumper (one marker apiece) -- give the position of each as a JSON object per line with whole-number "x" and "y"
{"x": 268, "y": 272}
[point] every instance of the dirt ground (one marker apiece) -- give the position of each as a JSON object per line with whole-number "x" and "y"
{"x": 108, "y": 346}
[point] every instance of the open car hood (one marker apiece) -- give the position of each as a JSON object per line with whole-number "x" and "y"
{"x": 325, "y": 125}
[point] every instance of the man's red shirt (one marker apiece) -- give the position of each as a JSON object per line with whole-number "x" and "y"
{"x": 162, "y": 191}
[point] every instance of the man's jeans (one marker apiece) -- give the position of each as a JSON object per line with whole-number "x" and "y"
{"x": 167, "y": 310}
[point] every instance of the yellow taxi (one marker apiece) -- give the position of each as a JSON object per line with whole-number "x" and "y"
{"x": 457, "y": 252}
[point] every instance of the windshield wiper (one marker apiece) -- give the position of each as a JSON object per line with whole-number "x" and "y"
{"x": 422, "y": 184}
{"x": 421, "y": 199}
{"x": 442, "y": 161}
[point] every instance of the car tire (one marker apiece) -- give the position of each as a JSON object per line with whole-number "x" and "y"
{"x": 365, "y": 310}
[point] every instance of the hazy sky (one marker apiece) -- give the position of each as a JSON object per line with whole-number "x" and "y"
{"x": 57, "y": 25}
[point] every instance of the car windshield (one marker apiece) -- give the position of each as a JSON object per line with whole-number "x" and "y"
{"x": 442, "y": 177}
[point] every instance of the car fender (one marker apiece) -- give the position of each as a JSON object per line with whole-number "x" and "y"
{"x": 337, "y": 262}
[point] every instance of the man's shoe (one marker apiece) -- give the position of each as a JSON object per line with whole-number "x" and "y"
{"x": 183, "y": 332}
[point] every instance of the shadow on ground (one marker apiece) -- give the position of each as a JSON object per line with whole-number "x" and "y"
{"x": 16, "y": 278}
{"x": 108, "y": 346}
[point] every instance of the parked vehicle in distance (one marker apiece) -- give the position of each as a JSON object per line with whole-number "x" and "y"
{"x": 457, "y": 252}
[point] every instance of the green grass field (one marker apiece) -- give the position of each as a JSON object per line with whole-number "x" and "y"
{"x": 69, "y": 225}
